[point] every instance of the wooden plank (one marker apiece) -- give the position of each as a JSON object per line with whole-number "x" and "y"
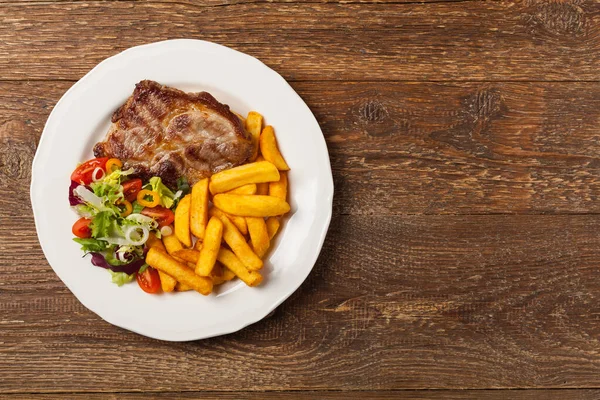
{"x": 411, "y": 148}
{"x": 496, "y": 301}
{"x": 507, "y": 40}
{"x": 568, "y": 394}
{"x": 224, "y": 3}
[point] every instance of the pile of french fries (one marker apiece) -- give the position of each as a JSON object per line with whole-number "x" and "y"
{"x": 233, "y": 215}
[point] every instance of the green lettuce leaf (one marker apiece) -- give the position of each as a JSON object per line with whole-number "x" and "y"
{"x": 85, "y": 210}
{"x": 121, "y": 278}
{"x": 137, "y": 208}
{"x": 166, "y": 195}
{"x": 101, "y": 223}
{"x": 90, "y": 244}
{"x": 143, "y": 268}
{"x": 114, "y": 178}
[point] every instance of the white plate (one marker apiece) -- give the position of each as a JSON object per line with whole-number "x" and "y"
{"x": 81, "y": 118}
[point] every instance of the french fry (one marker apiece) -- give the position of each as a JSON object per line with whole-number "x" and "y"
{"x": 239, "y": 222}
{"x": 237, "y": 242}
{"x": 182, "y": 287}
{"x": 217, "y": 274}
{"x": 272, "y": 226}
{"x": 228, "y": 274}
{"x": 262, "y": 189}
{"x": 253, "y": 124}
{"x": 167, "y": 283}
{"x": 251, "y": 206}
{"x": 279, "y": 188}
{"x": 210, "y": 247}
{"x": 229, "y": 260}
{"x": 269, "y": 150}
{"x": 153, "y": 241}
{"x": 182, "y": 221}
{"x": 198, "y": 245}
{"x": 246, "y": 189}
{"x": 167, "y": 264}
{"x": 188, "y": 255}
{"x": 217, "y": 280}
{"x": 199, "y": 208}
{"x": 172, "y": 244}
{"x": 255, "y": 172}
{"x": 259, "y": 235}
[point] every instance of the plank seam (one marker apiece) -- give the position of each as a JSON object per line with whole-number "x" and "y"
{"x": 534, "y": 389}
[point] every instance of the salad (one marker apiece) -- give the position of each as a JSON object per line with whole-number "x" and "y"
{"x": 118, "y": 214}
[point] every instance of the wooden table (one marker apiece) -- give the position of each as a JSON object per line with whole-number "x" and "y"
{"x": 463, "y": 255}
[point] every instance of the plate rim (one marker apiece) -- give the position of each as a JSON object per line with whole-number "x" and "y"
{"x": 231, "y": 326}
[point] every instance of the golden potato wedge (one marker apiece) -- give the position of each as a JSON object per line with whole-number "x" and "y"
{"x": 259, "y": 236}
{"x": 269, "y": 150}
{"x": 210, "y": 247}
{"x": 279, "y": 189}
{"x": 237, "y": 242}
{"x": 272, "y": 226}
{"x": 246, "y": 189}
{"x": 167, "y": 264}
{"x": 182, "y": 221}
{"x": 251, "y": 206}
{"x": 167, "y": 283}
{"x": 199, "y": 208}
{"x": 188, "y": 255}
{"x": 255, "y": 172}
{"x": 253, "y": 125}
{"x": 229, "y": 260}
{"x": 198, "y": 245}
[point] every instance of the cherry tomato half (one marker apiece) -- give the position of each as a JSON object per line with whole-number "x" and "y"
{"x": 81, "y": 228}
{"x": 149, "y": 280}
{"x": 162, "y": 215}
{"x": 131, "y": 189}
{"x": 83, "y": 173}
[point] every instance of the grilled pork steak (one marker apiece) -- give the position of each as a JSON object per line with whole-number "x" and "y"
{"x": 162, "y": 131}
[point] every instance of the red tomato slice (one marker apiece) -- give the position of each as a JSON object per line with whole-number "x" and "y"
{"x": 83, "y": 173}
{"x": 131, "y": 189}
{"x": 81, "y": 228}
{"x": 162, "y": 215}
{"x": 149, "y": 280}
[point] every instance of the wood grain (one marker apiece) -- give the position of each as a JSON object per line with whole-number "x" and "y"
{"x": 227, "y": 3}
{"x": 464, "y": 248}
{"x": 450, "y": 301}
{"x": 413, "y": 148}
{"x": 521, "y": 40}
{"x": 571, "y": 394}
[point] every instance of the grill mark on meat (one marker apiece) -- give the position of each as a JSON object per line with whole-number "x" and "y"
{"x": 162, "y": 131}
